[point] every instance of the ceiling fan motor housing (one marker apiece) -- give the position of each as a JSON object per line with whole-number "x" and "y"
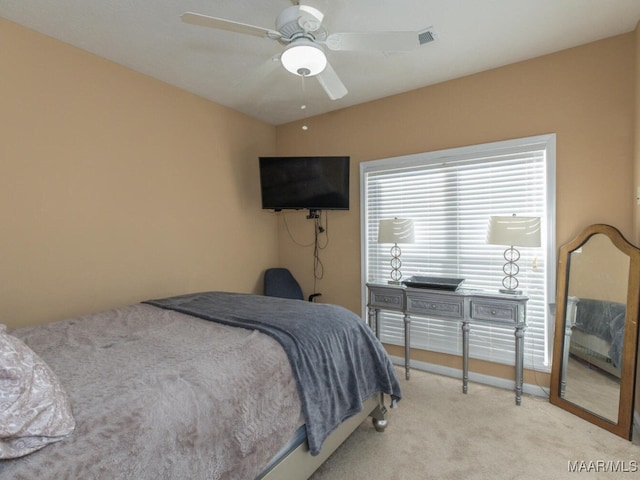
{"x": 296, "y": 21}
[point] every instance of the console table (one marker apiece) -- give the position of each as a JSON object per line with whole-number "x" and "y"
{"x": 466, "y": 306}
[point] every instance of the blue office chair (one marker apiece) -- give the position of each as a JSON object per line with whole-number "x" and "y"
{"x": 279, "y": 282}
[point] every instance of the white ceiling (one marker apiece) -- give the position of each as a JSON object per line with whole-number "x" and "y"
{"x": 473, "y": 35}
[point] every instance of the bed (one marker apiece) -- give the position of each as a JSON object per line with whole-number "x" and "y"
{"x": 211, "y": 385}
{"x": 597, "y": 332}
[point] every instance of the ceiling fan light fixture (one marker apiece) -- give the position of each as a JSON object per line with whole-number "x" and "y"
{"x": 304, "y": 58}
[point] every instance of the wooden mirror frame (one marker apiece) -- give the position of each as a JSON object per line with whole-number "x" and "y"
{"x": 623, "y": 426}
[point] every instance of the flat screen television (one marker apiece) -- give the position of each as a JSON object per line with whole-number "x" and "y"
{"x": 314, "y": 183}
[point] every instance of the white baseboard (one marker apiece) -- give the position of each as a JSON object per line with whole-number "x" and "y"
{"x": 499, "y": 382}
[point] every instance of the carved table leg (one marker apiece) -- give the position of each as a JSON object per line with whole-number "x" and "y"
{"x": 373, "y": 321}
{"x": 407, "y": 345}
{"x": 519, "y": 362}
{"x": 465, "y": 356}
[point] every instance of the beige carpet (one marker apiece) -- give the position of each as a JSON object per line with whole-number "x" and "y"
{"x": 439, "y": 433}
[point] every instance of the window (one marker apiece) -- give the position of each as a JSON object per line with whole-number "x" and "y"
{"x": 450, "y": 196}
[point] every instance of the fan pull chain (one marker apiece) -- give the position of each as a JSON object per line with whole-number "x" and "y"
{"x": 304, "y": 96}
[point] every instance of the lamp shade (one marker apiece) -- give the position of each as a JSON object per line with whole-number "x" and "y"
{"x": 303, "y": 57}
{"x": 514, "y": 231}
{"x": 396, "y": 230}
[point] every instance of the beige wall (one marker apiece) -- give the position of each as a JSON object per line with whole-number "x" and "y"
{"x": 585, "y": 95}
{"x": 115, "y": 187}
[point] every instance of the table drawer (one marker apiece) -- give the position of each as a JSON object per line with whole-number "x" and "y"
{"x": 436, "y": 306}
{"x": 387, "y": 299}
{"x": 494, "y": 312}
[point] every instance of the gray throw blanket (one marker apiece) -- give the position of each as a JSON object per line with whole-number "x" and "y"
{"x": 336, "y": 359}
{"x": 605, "y": 320}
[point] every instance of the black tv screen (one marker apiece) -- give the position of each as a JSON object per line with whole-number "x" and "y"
{"x": 314, "y": 183}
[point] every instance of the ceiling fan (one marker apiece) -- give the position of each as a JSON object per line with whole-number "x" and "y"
{"x": 299, "y": 28}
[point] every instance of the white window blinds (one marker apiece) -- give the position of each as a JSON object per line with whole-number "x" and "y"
{"x": 450, "y": 196}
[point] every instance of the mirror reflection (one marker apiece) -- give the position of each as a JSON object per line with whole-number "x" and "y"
{"x": 597, "y": 293}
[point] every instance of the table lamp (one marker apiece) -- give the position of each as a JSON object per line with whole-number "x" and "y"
{"x": 515, "y": 232}
{"x": 396, "y": 230}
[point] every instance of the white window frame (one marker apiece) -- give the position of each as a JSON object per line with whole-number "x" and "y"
{"x": 541, "y": 142}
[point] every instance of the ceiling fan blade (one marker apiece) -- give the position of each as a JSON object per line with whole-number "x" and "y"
{"x": 381, "y": 41}
{"x": 229, "y": 25}
{"x": 331, "y": 83}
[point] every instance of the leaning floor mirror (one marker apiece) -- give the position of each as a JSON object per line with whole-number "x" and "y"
{"x": 596, "y": 332}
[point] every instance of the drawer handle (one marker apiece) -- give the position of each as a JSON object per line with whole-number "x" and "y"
{"x": 433, "y": 306}
{"x": 493, "y": 312}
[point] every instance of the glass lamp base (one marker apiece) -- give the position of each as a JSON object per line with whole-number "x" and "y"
{"x": 511, "y": 292}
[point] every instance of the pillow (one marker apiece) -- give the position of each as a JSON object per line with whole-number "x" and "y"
{"x": 34, "y": 409}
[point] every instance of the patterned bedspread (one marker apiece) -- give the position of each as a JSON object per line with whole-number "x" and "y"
{"x": 157, "y": 394}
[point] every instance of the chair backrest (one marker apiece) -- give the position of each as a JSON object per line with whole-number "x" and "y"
{"x": 279, "y": 282}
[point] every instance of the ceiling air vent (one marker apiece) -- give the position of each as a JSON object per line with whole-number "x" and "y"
{"x": 426, "y": 36}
